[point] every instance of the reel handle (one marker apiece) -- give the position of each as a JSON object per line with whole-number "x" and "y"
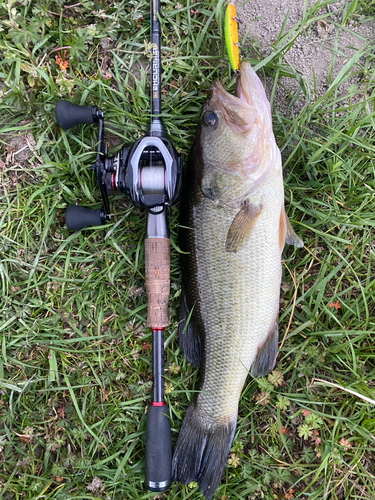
{"x": 77, "y": 217}
{"x": 68, "y": 114}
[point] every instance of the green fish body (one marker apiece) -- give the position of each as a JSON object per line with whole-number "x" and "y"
{"x": 234, "y": 228}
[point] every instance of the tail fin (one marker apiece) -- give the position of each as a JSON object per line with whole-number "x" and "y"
{"x": 201, "y": 451}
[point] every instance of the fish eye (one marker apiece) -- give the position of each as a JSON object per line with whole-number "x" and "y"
{"x": 210, "y": 119}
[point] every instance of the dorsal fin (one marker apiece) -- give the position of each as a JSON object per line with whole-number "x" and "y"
{"x": 188, "y": 339}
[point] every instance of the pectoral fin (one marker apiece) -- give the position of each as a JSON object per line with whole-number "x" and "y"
{"x": 286, "y": 232}
{"x": 241, "y": 227}
{"x": 189, "y": 340}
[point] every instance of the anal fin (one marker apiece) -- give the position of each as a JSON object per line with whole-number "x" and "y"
{"x": 266, "y": 355}
{"x": 189, "y": 340}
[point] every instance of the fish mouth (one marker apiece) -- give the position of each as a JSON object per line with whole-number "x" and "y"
{"x": 238, "y": 110}
{"x": 239, "y": 93}
{"x": 248, "y": 104}
{"x": 249, "y": 90}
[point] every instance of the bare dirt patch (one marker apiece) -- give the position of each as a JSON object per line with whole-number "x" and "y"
{"x": 16, "y": 152}
{"x": 318, "y": 54}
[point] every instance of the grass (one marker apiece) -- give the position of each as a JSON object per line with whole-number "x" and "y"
{"x": 75, "y": 351}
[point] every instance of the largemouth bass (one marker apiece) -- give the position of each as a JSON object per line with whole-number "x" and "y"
{"x": 234, "y": 227}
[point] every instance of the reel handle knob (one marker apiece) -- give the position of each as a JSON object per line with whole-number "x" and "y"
{"x": 77, "y": 217}
{"x": 68, "y": 114}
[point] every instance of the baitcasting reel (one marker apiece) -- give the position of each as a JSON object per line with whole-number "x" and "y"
{"x": 148, "y": 171}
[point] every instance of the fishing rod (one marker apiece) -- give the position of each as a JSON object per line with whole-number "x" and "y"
{"x": 150, "y": 173}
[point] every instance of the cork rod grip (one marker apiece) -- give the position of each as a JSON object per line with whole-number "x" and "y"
{"x": 157, "y": 259}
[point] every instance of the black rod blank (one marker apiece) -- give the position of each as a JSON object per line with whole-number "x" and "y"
{"x": 157, "y": 366}
{"x": 156, "y": 126}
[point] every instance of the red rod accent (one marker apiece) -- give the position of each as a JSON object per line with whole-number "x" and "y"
{"x": 113, "y": 181}
{"x": 156, "y": 403}
{"x": 157, "y": 329}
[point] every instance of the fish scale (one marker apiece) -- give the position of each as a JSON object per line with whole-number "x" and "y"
{"x": 233, "y": 229}
{"x": 252, "y": 278}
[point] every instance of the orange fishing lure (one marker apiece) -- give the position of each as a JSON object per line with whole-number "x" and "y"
{"x": 231, "y": 36}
